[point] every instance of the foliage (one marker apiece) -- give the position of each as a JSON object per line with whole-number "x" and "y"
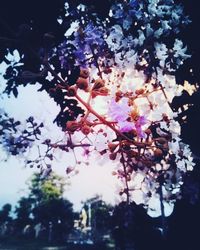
{"x": 101, "y": 216}
{"x": 45, "y": 204}
{"x": 43, "y": 190}
{"x": 5, "y": 213}
{"x": 130, "y": 224}
{"x": 23, "y": 212}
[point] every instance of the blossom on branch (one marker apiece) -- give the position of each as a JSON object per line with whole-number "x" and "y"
{"x": 115, "y": 88}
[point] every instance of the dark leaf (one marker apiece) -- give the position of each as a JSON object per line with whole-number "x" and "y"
{"x": 15, "y": 91}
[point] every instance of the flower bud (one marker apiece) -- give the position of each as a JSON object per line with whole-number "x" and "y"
{"x": 114, "y": 173}
{"x": 99, "y": 83}
{"x": 112, "y": 146}
{"x": 72, "y": 126}
{"x": 165, "y": 118}
{"x": 134, "y": 132}
{"x": 82, "y": 83}
{"x": 139, "y": 91}
{"x": 107, "y": 71}
{"x": 158, "y": 153}
{"x": 147, "y": 163}
{"x": 129, "y": 170}
{"x": 100, "y": 92}
{"x": 69, "y": 170}
{"x": 71, "y": 91}
{"x": 119, "y": 95}
{"x": 165, "y": 147}
{"x": 121, "y": 193}
{"x": 84, "y": 73}
{"x": 85, "y": 129}
{"x": 128, "y": 178}
{"x": 148, "y": 131}
{"x": 133, "y": 153}
{"x": 113, "y": 156}
{"x": 161, "y": 140}
{"x": 134, "y": 114}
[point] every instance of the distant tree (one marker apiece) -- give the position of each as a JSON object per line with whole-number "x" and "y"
{"x": 45, "y": 205}
{"x": 48, "y": 205}
{"x": 101, "y": 216}
{"x": 44, "y": 189}
{"x": 23, "y": 212}
{"x": 55, "y": 213}
{"x": 5, "y": 213}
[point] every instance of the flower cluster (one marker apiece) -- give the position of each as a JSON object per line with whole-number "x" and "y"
{"x": 127, "y": 118}
{"x": 14, "y": 138}
{"x": 85, "y": 43}
{"x": 125, "y": 85}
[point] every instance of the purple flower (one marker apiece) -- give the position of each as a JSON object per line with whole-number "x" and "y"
{"x": 133, "y": 3}
{"x": 120, "y": 112}
{"x": 93, "y": 35}
{"x": 138, "y": 126}
{"x": 142, "y": 120}
{"x": 89, "y": 37}
{"x": 82, "y": 44}
{"x": 126, "y": 126}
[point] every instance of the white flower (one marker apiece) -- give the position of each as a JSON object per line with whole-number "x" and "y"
{"x": 181, "y": 165}
{"x": 180, "y": 50}
{"x": 141, "y": 37}
{"x": 165, "y": 25}
{"x": 152, "y": 8}
{"x": 100, "y": 142}
{"x": 14, "y": 58}
{"x": 116, "y": 11}
{"x": 115, "y": 37}
{"x": 149, "y": 30}
{"x": 127, "y": 23}
{"x": 174, "y": 128}
{"x": 161, "y": 53}
{"x": 158, "y": 33}
{"x": 174, "y": 147}
{"x": 175, "y": 17}
{"x": 49, "y": 76}
{"x": 164, "y": 126}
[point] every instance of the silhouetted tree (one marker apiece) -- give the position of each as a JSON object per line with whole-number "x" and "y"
{"x": 5, "y": 213}
{"x": 23, "y": 213}
{"x": 49, "y": 207}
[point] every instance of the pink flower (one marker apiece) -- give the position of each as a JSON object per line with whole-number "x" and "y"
{"x": 120, "y": 112}
{"x": 126, "y": 126}
{"x": 138, "y": 126}
{"x": 142, "y": 120}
